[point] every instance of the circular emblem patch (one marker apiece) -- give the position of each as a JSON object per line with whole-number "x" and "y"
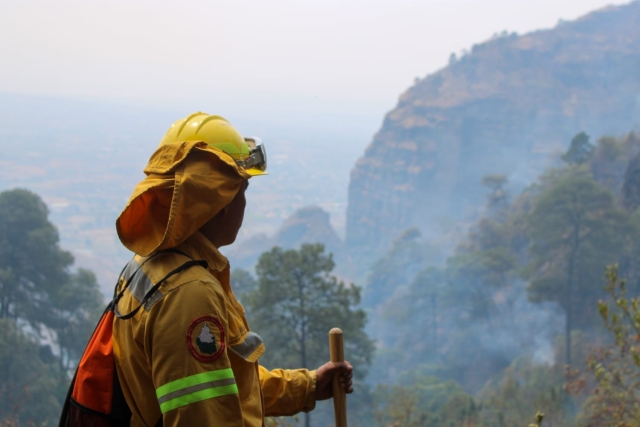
{"x": 205, "y": 338}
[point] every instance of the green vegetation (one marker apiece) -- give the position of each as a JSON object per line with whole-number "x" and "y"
{"x": 580, "y": 150}
{"x": 528, "y": 272}
{"x": 575, "y": 230}
{"x": 295, "y": 304}
{"x": 515, "y": 322}
{"x": 614, "y": 368}
{"x": 424, "y": 402}
{"x": 30, "y": 392}
{"x": 47, "y": 312}
{"x": 298, "y": 301}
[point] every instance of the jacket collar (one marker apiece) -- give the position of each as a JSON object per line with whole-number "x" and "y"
{"x": 199, "y": 247}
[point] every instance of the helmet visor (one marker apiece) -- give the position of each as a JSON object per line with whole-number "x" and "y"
{"x": 256, "y": 163}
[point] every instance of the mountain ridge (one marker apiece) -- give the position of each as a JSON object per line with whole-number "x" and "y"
{"x": 505, "y": 107}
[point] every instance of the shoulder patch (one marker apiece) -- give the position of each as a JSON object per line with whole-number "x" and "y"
{"x": 205, "y": 338}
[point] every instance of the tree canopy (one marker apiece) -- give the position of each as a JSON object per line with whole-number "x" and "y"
{"x": 47, "y": 312}
{"x": 575, "y": 233}
{"x": 579, "y": 151}
{"x": 298, "y": 301}
{"x": 32, "y": 265}
{"x": 528, "y": 270}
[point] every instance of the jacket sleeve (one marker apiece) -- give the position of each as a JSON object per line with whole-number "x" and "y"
{"x": 185, "y": 346}
{"x": 287, "y": 392}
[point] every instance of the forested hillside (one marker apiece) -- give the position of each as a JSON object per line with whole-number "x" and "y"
{"x": 502, "y": 108}
{"x": 518, "y": 300}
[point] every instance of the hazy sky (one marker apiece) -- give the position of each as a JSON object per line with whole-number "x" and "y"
{"x": 336, "y": 53}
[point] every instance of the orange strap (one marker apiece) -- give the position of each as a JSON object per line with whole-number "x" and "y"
{"x": 93, "y": 387}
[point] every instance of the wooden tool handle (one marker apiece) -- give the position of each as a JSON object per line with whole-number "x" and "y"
{"x": 336, "y": 348}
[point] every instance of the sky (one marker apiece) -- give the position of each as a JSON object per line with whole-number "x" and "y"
{"x": 272, "y": 58}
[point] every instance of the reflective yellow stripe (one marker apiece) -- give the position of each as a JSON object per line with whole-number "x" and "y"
{"x": 198, "y": 396}
{"x": 220, "y": 374}
{"x": 196, "y": 388}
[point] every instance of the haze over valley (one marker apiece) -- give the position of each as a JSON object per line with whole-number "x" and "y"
{"x": 476, "y": 235}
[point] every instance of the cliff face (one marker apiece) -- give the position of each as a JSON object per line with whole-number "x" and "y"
{"x": 503, "y": 108}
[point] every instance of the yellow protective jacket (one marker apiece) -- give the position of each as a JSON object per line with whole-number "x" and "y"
{"x": 188, "y": 356}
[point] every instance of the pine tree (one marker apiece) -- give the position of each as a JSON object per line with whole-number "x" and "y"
{"x": 295, "y": 305}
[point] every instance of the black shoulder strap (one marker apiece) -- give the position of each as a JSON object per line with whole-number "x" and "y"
{"x": 65, "y": 418}
{"x": 185, "y": 266}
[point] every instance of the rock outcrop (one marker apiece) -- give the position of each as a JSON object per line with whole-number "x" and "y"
{"x": 503, "y": 108}
{"x": 307, "y": 225}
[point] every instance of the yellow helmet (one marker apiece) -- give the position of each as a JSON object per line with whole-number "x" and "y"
{"x": 218, "y": 133}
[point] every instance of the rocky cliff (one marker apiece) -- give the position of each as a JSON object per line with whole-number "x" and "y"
{"x": 503, "y": 108}
{"x": 309, "y": 224}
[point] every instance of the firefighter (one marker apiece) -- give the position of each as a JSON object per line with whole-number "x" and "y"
{"x": 188, "y": 356}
